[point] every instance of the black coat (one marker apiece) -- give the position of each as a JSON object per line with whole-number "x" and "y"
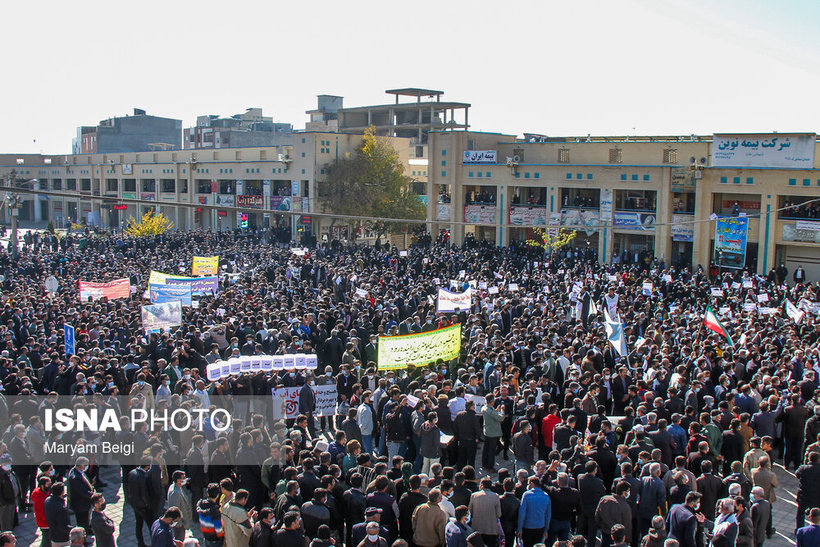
{"x": 592, "y": 490}
{"x": 139, "y": 496}
{"x": 59, "y": 523}
{"x": 79, "y": 491}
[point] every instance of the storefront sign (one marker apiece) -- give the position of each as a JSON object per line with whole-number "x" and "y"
{"x": 249, "y": 202}
{"x": 784, "y": 150}
{"x": 794, "y": 232}
{"x": 479, "y": 156}
{"x": 129, "y": 195}
{"x": 149, "y": 196}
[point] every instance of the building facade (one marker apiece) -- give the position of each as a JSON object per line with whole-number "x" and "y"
{"x": 137, "y": 133}
{"x": 195, "y": 189}
{"x": 249, "y": 129}
{"x": 628, "y": 195}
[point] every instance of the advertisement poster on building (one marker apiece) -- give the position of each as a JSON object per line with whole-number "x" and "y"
{"x": 730, "y": 241}
{"x": 479, "y": 214}
{"x": 225, "y": 200}
{"x": 443, "y": 211}
{"x": 280, "y": 203}
{"x": 606, "y": 204}
{"x": 528, "y": 216}
{"x": 683, "y": 229}
{"x": 634, "y": 221}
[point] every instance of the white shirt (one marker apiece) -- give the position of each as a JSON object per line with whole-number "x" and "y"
{"x": 456, "y": 405}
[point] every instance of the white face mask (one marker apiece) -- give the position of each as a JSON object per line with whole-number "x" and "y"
{"x": 373, "y": 537}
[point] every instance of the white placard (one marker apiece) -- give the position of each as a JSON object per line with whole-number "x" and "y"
{"x": 402, "y": 253}
{"x": 763, "y": 297}
{"x": 266, "y": 363}
{"x": 278, "y": 362}
{"x": 513, "y": 287}
{"x": 717, "y": 291}
{"x": 747, "y": 284}
{"x": 450, "y": 301}
{"x": 749, "y": 306}
{"x": 493, "y": 290}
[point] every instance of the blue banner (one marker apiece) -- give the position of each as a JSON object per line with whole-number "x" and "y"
{"x": 730, "y": 241}
{"x": 198, "y": 285}
{"x": 68, "y": 338}
{"x": 170, "y": 293}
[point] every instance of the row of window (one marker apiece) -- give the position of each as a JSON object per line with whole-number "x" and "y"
{"x": 792, "y": 182}
{"x": 424, "y": 174}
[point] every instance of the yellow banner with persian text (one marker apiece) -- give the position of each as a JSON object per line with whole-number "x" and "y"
{"x": 205, "y": 265}
{"x": 397, "y": 352}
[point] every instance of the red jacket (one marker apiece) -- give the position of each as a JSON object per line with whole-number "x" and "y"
{"x": 547, "y": 426}
{"x": 38, "y": 496}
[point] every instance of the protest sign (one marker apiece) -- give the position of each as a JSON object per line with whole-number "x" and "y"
{"x": 716, "y": 291}
{"x": 199, "y": 285}
{"x": 419, "y": 349}
{"x": 763, "y": 297}
{"x": 161, "y": 316}
{"x": 450, "y": 301}
{"x": 119, "y": 288}
{"x": 160, "y": 294}
{"x": 205, "y": 265}
{"x": 479, "y": 401}
{"x": 325, "y": 401}
{"x": 361, "y": 293}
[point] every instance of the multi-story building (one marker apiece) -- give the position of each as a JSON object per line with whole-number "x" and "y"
{"x": 206, "y": 189}
{"x": 244, "y": 130}
{"x": 137, "y": 133}
{"x": 413, "y": 120}
{"x": 630, "y": 194}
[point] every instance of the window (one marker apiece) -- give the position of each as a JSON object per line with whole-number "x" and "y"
{"x": 57, "y": 184}
{"x": 169, "y": 185}
{"x": 470, "y": 144}
{"x": 537, "y": 175}
{"x": 71, "y": 184}
{"x": 110, "y": 185}
{"x": 444, "y": 152}
{"x": 86, "y": 185}
{"x": 563, "y": 155}
{"x": 670, "y": 155}
{"x": 419, "y": 151}
{"x": 615, "y": 155}
{"x": 129, "y": 185}
{"x": 444, "y": 163}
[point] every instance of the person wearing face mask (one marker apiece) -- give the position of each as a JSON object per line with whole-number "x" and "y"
{"x": 457, "y": 531}
{"x": 57, "y": 516}
{"x": 79, "y": 492}
{"x": 162, "y": 530}
{"x": 101, "y": 524}
{"x": 141, "y": 387}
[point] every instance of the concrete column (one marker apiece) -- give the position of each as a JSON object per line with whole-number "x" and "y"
{"x": 502, "y": 236}
{"x": 38, "y": 214}
{"x": 768, "y": 233}
{"x": 663, "y": 215}
{"x": 703, "y": 230}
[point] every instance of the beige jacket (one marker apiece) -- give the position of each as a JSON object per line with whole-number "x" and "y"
{"x": 428, "y": 525}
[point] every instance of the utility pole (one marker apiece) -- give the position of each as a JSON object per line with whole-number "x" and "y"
{"x": 14, "y": 203}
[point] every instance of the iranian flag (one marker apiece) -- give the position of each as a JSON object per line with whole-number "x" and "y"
{"x": 713, "y": 323}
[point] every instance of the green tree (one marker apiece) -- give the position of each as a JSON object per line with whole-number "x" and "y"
{"x": 371, "y": 182}
{"x": 151, "y": 224}
{"x": 551, "y": 239}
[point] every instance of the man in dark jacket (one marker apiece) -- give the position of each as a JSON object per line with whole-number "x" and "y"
{"x": 354, "y": 504}
{"x": 467, "y": 433}
{"x": 761, "y": 513}
{"x": 315, "y": 513}
{"x": 612, "y": 510}
{"x": 808, "y": 494}
{"x": 794, "y": 419}
{"x": 101, "y": 524}
{"x": 195, "y": 470}
{"x": 407, "y": 505}
{"x": 682, "y": 520}
{"x": 59, "y": 522}
{"x": 262, "y": 534}
{"x": 592, "y": 490}
{"x": 307, "y": 403}
{"x": 710, "y": 488}
{"x": 139, "y": 497}
{"x": 79, "y": 492}
{"x": 653, "y": 498}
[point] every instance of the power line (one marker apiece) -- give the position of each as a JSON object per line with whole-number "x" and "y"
{"x": 155, "y": 203}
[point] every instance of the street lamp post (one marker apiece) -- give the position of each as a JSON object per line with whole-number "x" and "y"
{"x": 14, "y": 203}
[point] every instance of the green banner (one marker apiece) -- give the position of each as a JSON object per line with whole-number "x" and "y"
{"x": 419, "y": 349}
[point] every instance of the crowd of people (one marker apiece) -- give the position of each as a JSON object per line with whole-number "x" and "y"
{"x": 541, "y": 431}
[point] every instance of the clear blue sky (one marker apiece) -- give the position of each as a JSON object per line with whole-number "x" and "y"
{"x": 560, "y": 68}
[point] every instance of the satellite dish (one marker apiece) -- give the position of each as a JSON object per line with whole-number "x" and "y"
{"x": 516, "y": 159}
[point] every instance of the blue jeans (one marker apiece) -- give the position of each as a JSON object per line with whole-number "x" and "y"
{"x": 558, "y": 531}
{"x": 367, "y": 443}
{"x": 393, "y": 449}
